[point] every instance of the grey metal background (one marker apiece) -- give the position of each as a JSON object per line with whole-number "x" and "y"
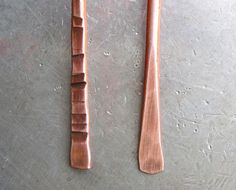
{"x": 198, "y": 72}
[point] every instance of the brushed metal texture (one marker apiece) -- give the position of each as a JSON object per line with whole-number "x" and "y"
{"x": 150, "y": 151}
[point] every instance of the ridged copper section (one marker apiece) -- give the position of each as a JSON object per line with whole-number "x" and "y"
{"x": 150, "y": 150}
{"x": 80, "y": 150}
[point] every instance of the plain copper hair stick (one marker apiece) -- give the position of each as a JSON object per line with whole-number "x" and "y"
{"x": 150, "y": 150}
{"x": 80, "y": 156}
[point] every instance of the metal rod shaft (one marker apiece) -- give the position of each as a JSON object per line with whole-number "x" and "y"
{"x": 150, "y": 150}
{"x": 80, "y": 156}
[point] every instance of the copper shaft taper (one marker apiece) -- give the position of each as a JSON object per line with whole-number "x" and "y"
{"x": 150, "y": 150}
{"x": 80, "y": 151}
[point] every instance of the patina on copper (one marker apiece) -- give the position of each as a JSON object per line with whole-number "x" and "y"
{"x": 150, "y": 150}
{"x": 80, "y": 156}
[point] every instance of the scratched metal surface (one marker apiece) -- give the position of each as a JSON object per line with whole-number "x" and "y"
{"x": 198, "y": 53}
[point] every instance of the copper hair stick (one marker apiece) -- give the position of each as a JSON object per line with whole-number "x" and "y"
{"x": 80, "y": 156}
{"x": 150, "y": 150}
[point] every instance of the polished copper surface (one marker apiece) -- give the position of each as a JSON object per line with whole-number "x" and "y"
{"x": 80, "y": 150}
{"x": 150, "y": 150}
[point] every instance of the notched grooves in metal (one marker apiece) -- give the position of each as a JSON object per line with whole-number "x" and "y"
{"x": 77, "y": 21}
{"x": 80, "y": 85}
{"x": 77, "y": 78}
{"x": 80, "y": 151}
{"x": 80, "y": 128}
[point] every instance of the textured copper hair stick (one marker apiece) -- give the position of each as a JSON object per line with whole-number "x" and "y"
{"x": 80, "y": 151}
{"x": 150, "y": 151}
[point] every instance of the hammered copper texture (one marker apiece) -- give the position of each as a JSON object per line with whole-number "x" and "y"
{"x": 80, "y": 151}
{"x": 150, "y": 150}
